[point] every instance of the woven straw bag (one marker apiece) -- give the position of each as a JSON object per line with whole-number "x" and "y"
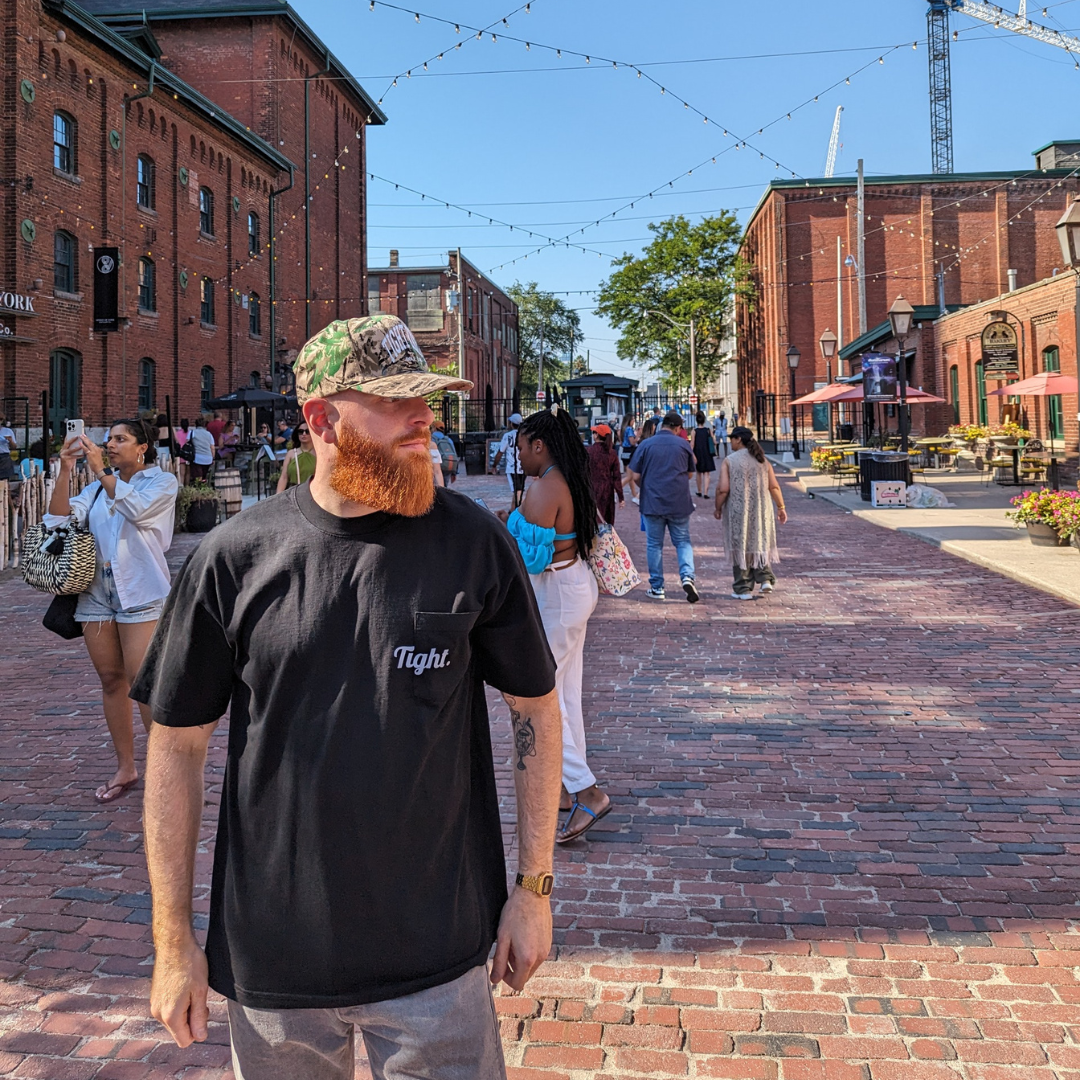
{"x": 611, "y": 564}
{"x": 67, "y": 566}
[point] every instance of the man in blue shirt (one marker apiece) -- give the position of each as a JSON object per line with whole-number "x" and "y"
{"x": 662, "y": 466}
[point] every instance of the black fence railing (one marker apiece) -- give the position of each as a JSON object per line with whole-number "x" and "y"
{"x": 463, "y": 417}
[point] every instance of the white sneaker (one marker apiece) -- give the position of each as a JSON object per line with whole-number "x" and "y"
{"x": 768, "y": 586}
{"x": 742, "y": 596}
{"x": 636, "y": 501}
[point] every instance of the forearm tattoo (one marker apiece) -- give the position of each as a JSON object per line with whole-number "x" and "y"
{"x": 524, "y": 734}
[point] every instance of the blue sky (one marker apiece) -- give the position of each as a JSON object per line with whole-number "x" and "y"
{"x": 551, "y": 143}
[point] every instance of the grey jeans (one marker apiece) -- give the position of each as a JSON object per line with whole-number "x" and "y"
{"x": 449, "y": 1032}
{"x": 744, "y": 577}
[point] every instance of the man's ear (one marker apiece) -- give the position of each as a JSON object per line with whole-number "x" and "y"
{"x": 321, "y": 416}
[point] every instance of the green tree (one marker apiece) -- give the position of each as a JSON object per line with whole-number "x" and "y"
{"x": 685, "y": 271}
{"x": 543, "y": 320}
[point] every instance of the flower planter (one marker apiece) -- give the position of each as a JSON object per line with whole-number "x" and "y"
{"x": 202, "y": 515}
{"x": 1042, "y": 535}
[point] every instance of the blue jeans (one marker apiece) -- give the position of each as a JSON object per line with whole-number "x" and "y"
{"x": 679, "y": 527}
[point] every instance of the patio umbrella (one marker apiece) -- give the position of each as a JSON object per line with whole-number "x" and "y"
{"x": 912, "y": 397}
{"x": 1045, "y": 384}
{"x": 248, "y": 397}
{"x": 831, "y": 392}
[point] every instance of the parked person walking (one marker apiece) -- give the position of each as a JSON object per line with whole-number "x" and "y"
{"x": 662, "y": 467}
{"x": 605, "y": 472}
{"x": 720, "y": 432}
{"x": 704, "y": 456}
{"x": 746, "y": 485}
{"x": 627, "y": 443}
{"x": 129, "y": 509}
{"x": 554, "y": 529}
{"x": 299, "y": 464}
{"x": 447, "y": 452}
{"x": 204, "y": 446}
{"x": 7, "y": 445}
{"x": 351, "y": 625}
{"x": 508, "y": 449}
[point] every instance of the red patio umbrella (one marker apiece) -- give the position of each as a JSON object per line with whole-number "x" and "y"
{"x": 1045, "y": 384}
{"x": 913, "y": 396}
{"x": 831, "y": 392}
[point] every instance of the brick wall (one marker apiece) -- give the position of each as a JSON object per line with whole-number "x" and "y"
{"x": 1046, "y": 313}
{"x": 257, "y": 68}
{"x": 97, "y": 206}
{"x": 489, "y": 318}
{"x": 911, "y": 228}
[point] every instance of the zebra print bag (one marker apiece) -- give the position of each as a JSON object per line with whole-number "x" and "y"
{"x": 60, "y": 561}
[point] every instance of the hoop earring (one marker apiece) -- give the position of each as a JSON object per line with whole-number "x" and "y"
{"x": 142, "y": 458}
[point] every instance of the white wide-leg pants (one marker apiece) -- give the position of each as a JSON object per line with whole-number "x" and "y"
{"x": 566, "y": 599}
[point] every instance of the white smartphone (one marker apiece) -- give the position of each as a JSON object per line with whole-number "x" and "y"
{"x": 75, "y": 429}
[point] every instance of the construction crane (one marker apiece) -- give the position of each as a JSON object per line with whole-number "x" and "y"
{"x": 937, "y": 25}
{"x": 834, "y": 143}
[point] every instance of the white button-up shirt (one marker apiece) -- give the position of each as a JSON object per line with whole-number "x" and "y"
{"x": 133, "y": 530}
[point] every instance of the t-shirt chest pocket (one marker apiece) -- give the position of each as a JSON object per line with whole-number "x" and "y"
{"x": 432, "y": 666}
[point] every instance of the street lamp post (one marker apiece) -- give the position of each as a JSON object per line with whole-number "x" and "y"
{"x": 900, "y": 316}
{"x": 1068, "y": 230}
{"x": 691, "y": 328}
{"x": 828, "y": 342}
{"x": 793, "y": 358}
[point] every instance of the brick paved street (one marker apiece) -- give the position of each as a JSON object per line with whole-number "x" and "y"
{"x": 844, "y": 847}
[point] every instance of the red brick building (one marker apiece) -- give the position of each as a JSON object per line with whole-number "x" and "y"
{"x": 915, "y": 227}
{"x": 462, "y": 320}
{"x": 261, "y": 62}
{"x": 1047, "y": 315}
{"x": 107, "y": 145}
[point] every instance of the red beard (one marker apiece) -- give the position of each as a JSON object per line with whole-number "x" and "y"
{"x": 375, "y": 475}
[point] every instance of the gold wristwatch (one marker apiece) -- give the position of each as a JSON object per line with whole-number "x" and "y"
{"x": 541, "y": 884}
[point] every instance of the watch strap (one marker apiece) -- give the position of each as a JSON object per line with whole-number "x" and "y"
{"x": 541, "y": 884}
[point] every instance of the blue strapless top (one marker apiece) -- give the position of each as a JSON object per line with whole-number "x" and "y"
{"x": 536, "y": 544}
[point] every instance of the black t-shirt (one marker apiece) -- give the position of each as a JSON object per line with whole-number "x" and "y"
{"x": 359, "y": 852}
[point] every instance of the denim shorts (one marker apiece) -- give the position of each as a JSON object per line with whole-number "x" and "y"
{"x": 101, "y": 604}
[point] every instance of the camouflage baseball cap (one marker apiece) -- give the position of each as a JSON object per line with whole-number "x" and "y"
{"x": 377, "y": 355}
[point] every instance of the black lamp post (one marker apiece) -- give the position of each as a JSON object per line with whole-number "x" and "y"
{"x": 793, "y": 358}
{"x": 828, "y": 342}
{"x": 900, "y": 316}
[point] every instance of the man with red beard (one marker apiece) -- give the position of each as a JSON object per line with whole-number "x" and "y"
{"x": 350, "y": 625}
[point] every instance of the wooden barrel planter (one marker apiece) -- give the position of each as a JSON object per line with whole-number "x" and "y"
{"x": 227, "y": 481}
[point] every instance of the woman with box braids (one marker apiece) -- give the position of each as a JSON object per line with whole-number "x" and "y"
{"x": 554, "y": 529}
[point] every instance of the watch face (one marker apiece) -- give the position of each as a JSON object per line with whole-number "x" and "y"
{"x": 546, "y": 884}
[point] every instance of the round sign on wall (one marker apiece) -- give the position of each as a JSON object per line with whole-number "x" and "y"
{"x": 106, "y": 264}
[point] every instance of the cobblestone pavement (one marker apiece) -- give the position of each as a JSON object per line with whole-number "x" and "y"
{"x": 844, "y": 846}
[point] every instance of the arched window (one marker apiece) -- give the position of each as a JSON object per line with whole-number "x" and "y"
{"x": 65, "y": 278}
{"x": 145, "y": 195}
{"x": 1055, "y": 415}
{"x": 255, "y": 379}
{"x": 206, "y": 211}
{"x": 147, "y": 285}
{"x": 206, "y": 311}
{"x": 147, "y": 387}
{"x": 954, "y": 392}
{"x": 206, "y": 385}
{"x": 254, "y": 315}
{"x": 253, "y": 234}
{"x": 64, "y": 143}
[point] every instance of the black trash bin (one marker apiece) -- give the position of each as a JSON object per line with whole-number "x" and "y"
{"x": 847, "y": 432}
{"x": 881, "y": 465}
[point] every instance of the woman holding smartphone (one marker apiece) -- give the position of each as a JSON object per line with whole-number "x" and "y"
{"x": 129, "y": 509}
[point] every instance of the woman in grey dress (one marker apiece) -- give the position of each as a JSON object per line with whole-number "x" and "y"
{"x": 746, "y": 495}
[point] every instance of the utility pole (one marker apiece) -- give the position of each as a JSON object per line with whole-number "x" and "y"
{"x": 693, "y": 356}
{"x": 861, "y": 225}
{"x": 540, "y": 359}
